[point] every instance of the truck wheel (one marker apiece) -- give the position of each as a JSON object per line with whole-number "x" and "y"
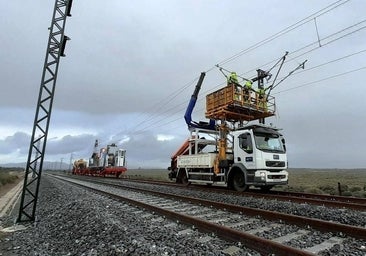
{"x": 182, "y": 178}
{"x": 239, "y": 182}
{"x": 185, "y": 181}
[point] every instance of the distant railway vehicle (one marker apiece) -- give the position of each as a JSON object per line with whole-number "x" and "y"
{"x": 109, "y": 161}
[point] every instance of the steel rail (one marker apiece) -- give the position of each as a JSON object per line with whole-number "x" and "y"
{"x": 322, "y": 225}
{"x": 315, "y": 201}
{"x": 258, "y": 244}
{"x": 353, "y": 203}
{"x": 347, "y": 199}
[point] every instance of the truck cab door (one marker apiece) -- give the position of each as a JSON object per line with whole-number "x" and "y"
{"x": 244, "y": 151}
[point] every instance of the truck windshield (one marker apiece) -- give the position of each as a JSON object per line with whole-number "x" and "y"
{"x": 269, "y": 142}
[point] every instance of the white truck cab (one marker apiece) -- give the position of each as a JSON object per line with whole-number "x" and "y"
{"x": 260, "y": 153}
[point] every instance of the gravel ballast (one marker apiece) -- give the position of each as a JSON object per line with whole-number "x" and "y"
{"x": 344, "y": 216}
{"x": 350, "y": 246}
{"x": 74, "y": 221}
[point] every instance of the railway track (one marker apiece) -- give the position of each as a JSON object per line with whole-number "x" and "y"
{"x": 264, "y": 231}
{"x": 315, "y": 199}
{"x": 353, "y": 203}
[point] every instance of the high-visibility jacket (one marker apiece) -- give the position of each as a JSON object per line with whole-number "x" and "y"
{"x": 233, "y": 78}
{"x": 248, "y": 84}
{"x": 261, "y": 92}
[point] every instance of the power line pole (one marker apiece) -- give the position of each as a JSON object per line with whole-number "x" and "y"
{"x": 70, "y": 164}
{"x": 55, "y": 50}
{"x": 62, "y": 159}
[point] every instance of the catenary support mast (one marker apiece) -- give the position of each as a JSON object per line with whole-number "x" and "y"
{"x": 55, "y": 50}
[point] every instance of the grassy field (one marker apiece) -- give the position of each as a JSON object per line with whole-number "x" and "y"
{"x": 321, "y": 181}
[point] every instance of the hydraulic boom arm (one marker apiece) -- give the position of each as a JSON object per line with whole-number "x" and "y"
{"x": 191, "y": 105}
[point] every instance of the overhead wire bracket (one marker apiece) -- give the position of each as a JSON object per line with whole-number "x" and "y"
{"x": 300, "y": 66}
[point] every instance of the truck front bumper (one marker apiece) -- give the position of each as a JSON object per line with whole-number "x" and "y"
{"x": 264, "y": 177}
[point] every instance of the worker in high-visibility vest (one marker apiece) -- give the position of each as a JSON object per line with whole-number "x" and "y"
{"x": 262, "y": 101}
{"x": 248, "y": 85}
{"x": 247, "y": 91}
{"x": 261, "y": 92}
{"x": 233, "y": 78}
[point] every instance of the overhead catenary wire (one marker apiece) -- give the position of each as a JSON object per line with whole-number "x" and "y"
{"x": 317, "y": 46}
{"x": 328, "y": 62}
{"x": 331, "y": 61}
{"x": 325, "y": 44}
{"x": 321, "y": 80}
{"x": 300, "y": 66}
{"x": 332, "y": 40}
{"x": 160, "y": 105}
{"x": 315, "y": 43}
{"x": 290, "y": 89}
{"x": 162, "y": 123}
{"x": 202, "y": 98}
{"x": 286, "y": 30}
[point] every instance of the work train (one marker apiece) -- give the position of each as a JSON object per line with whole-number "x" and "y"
{"x": 109, "y": 161}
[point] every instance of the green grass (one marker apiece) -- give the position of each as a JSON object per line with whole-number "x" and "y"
{"x": 319, "y": 181}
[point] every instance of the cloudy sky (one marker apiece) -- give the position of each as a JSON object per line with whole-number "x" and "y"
{"x": 131, "y": 67}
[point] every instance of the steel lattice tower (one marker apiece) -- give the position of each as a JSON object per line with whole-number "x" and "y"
{"x": 55, "y": 50}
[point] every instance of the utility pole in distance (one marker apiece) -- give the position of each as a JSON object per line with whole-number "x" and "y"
{"x": 62, "y": 159}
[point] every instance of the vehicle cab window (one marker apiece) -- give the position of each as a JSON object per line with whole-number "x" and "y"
{"x": 270, "y": 142}
{"x": 245, "y": 143}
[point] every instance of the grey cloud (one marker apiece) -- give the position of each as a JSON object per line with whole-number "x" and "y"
{"x": 68, "y": 144}
{"x": 19, "y": 141}
{"x": 125, "y": 61}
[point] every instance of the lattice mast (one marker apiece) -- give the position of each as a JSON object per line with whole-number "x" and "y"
{"x": 55, "y": 50}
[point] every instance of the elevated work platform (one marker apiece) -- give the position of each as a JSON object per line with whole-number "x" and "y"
{"x": 234, "y": 103}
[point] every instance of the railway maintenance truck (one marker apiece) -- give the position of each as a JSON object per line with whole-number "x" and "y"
{"x": 231, "y": 149}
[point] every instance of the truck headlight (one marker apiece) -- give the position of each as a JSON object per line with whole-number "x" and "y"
{"x": 263, "y": 175}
